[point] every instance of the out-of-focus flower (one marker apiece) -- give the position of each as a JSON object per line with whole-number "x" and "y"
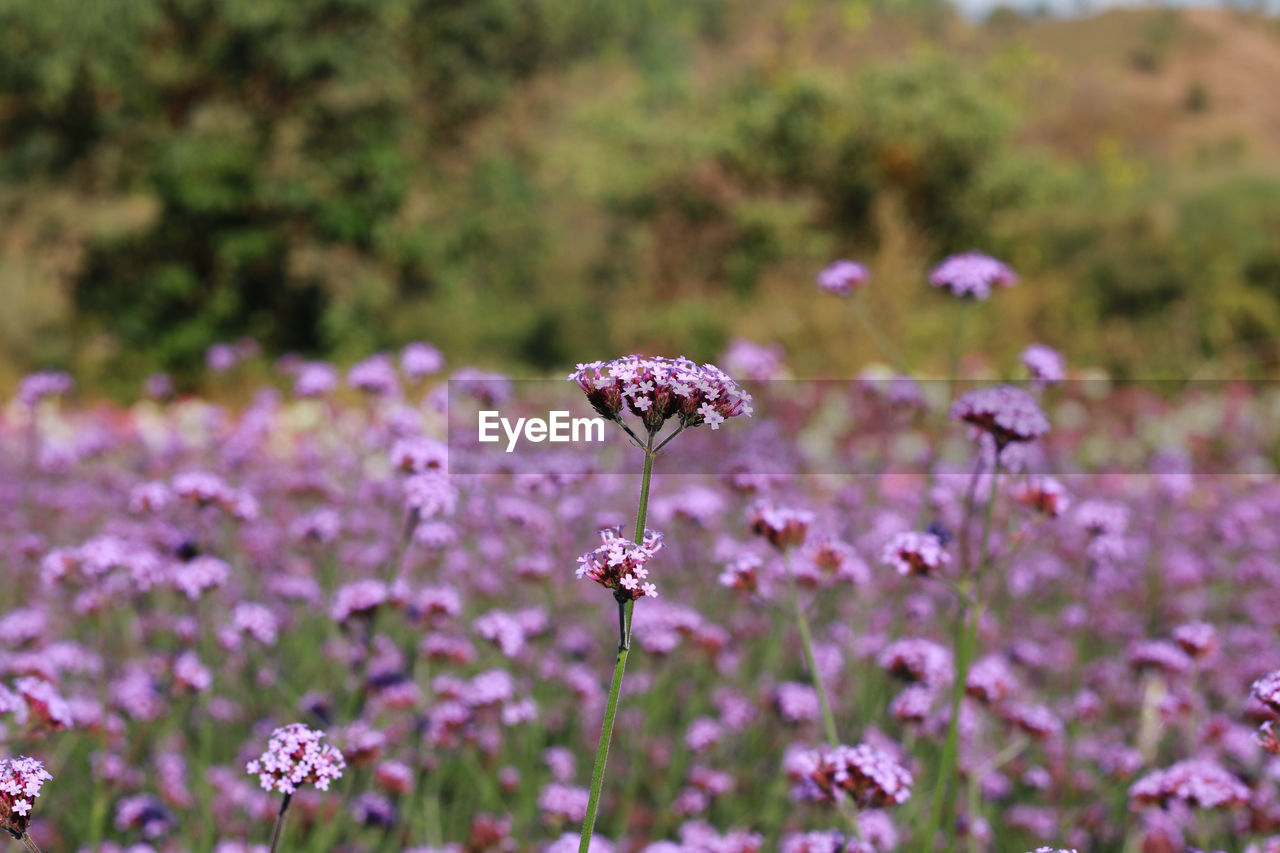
{"x": 971, "y": 274}
{"x": 1043, "y": 494}
{"x": 46, "y": 383}
{"x": 1045, "y": 364}
{"x": 914, "y": 553}
{"x": 842, "y": 277}
{"x": 782, "y": 526}
{"x": 1197, "y": 783}
{"x": 1006, "y": 413}
{"x": 419, "y": 360}
{"x": 871, "y": 777}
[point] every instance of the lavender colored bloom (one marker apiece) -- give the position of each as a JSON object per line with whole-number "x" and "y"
{"x": 842, "y": 277}
{"x": 21, "y": 780}
{"x": 419, "y": 360}
{"x": 620, "y": 564}
{"x": 914, "y": 553}
{"x": 296, "y": 756}
{"x": 1045, "y": 364}
{"x": 656, "y": 389}
{"x": 971, "y": 274}
{"x": 1006, "y": 413}
{"x": 46, "y": 383}
{"x": 1200, "y": 784}
{"x": 871, "y": 777}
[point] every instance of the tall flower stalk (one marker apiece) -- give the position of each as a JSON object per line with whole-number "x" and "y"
{"x": 652, "y": 390}
{"x": 1001, "y": 416}
{"x": 295, "y": 756}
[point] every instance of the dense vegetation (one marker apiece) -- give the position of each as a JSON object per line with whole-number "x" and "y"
{"x": 531, "y": 182}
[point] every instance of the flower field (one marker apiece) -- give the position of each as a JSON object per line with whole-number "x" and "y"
{"x": 1039, "y": 612}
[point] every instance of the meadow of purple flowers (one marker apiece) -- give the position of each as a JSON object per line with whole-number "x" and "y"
{"x": 1032, "y": 615}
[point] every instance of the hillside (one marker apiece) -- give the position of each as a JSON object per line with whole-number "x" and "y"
{"x": 687, "y": 171}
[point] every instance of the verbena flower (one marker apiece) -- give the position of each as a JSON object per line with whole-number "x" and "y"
{"x": 656, "y": 389}
{"x": 842, "y": 277}
{"x": 971, "y": 274}
{"x": 1045, "y": 364}
{"x": 1006, "y": 413}
{"x": 296, "y": 756}
{"x": 20, "y": 782}
{"x": 912, "y": 552}
{"x": 1197, "y": 783}
{"x": 620, "y": 564}
{"x": 869, "y": 776}
{"x": 782, "y": 526}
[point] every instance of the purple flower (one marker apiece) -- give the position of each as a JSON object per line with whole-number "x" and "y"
{"x": 1201, "y": 784}
{"x": 1006, "y": 413}
{"x": 20, "y": 782}
{"x": 620, "y": 564}
{"x": 971, "y": 274}
{"x": 914, "y": 553}
{"x": 296, "y": 756}
{"x": 655, "y": 389}
{"x": 1045, "y": 364}
{"x": 842, "y": 277}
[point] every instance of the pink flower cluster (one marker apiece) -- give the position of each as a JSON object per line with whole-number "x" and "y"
{"x": 295, "y": 756}
{"x": 1007, "y": 413}
{"x": 619, "y": 564}
{"x": 1202, "y": 784}
{"x": 20, "y": 783}
{"x": 842, "y": 277}
{"x": 971, "y": 274}
{"x": 655, "y": 389}
{"x": 870, "y": 776}
{"x": 913, "y": 552}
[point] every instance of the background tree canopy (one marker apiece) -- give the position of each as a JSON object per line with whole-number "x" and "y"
{"x": 534, "y": 182}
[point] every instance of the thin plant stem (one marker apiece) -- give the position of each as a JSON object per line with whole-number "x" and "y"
{"x": 828, "y": 718}
{"x": 966, "y": 642}
{"x": 279, "y": 829}
{"x": 887, "y": 349}
{"x": 619, "y": 667}
{"x": 802, "y": 622}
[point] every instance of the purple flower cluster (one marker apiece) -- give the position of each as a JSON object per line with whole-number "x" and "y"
{"x": 1006, "y": 413}
{"x": 656, "y": 389}
{"x": 620, "y": 564}
{"x": 870, "y": 777}
{"x": 295, "y": 756}
{"x": 971, "y": 274}
{"x": 1201, "y": 784}
{"x": 842, "y": 277}
{"x": 912, "y": 552}
{"x": 20, "y": 782}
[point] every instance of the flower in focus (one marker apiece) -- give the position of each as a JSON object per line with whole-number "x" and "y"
{"x": 619, "y": 564}
{"x": 296, "y": 756}
{"x": 842, "y": 277}
{"x": 655, "y": 389}
{"x": 971, "y": 274}
{"x": 20, "y": 782}
{"x": 1007, "y": 413}
{"x": 912, "y": 552}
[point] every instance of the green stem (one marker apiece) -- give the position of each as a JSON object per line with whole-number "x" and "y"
{"x": 275, "y": 833}
{"x": 828, "y": 719}
{"x": 887, "y": 349}
{"x": 946, "y": 787}
{"x": 619, "y": 667}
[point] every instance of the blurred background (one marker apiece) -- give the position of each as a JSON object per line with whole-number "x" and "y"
{"x": 530, "y": 183}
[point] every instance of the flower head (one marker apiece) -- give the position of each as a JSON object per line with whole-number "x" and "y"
{"x": 620, "y": 564}
{"x": 296, "y": 756}
{"x": 914, "y": 553}
{"x": 655, "y": 389}
{"x": 20, "y": 782}
{"x": 1007, "y": 413}
{"x": 782, "y": 526}
{"x": 842, "y": 277}
{"x": 871, "y": 777}
{"x": 971, "y": 274}
{"x": 1201, "y": 784}
{"x": 1045, "y": 364}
